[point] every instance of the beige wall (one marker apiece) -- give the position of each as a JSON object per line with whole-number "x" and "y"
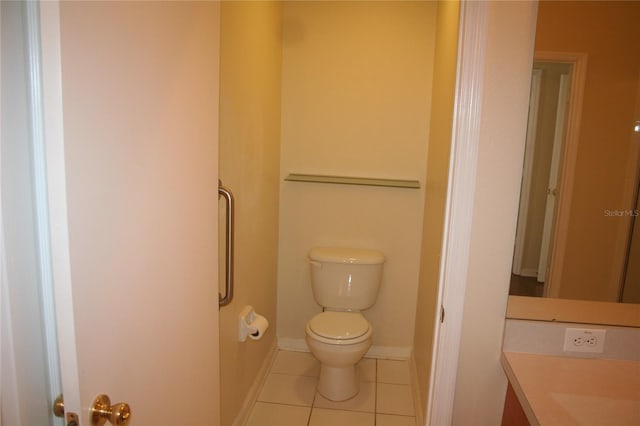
{"x": 444, "y": 80}
{"x": 356, "y": 90}
{"x": 481, "y": 383}
{"x": 249, "y": 166}
{"x": 606, "y": 164}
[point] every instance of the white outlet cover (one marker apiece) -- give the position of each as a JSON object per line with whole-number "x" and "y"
{"x": 584, "y": 340}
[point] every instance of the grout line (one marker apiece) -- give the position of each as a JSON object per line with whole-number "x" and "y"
{"x": 281, "y": 403}
{"x": 310, "y": 412}
{"x": 313, "y": 402}
{"x": 375, "y": 396}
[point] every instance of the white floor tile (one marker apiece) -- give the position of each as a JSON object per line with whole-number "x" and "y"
{"x": 289, "y": 392}
{"x": 367, "y": 370}
{"x": 267, "y": 414}
{"x": 394, "y": 399}
{"x": 287, "y": 389}
{"x": 324, "y": 417}
{"x": 296, "y": 363}
{"x": 365, "y": 400}
{"x": 391, "y": 420}
{"x": 391, "y": 371}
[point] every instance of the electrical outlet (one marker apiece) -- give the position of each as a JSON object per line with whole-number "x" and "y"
{"x": 584, "y": 340}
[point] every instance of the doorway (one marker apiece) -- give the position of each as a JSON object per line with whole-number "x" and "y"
{"x": 553, "y": 122}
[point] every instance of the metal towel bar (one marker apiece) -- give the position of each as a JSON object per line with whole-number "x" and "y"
{"x": 228, "y": 196}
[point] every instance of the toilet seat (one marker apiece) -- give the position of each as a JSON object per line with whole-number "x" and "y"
{"x": 339, "y": 328}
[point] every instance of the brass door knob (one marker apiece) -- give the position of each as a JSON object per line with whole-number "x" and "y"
{"x": 102, "y": 410}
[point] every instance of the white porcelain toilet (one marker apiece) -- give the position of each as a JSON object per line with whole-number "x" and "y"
{"x": 344, "y": 282}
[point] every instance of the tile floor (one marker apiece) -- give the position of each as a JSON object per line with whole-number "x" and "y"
{"x": 288, "y": 396}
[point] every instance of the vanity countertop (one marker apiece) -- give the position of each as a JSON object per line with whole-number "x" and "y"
{"x": 568, "y": 391}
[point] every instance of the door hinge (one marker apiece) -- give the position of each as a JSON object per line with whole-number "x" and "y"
{"x": 441, "y": 314}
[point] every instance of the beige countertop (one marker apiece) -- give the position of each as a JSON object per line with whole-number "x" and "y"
{"x": 568, "y": 391}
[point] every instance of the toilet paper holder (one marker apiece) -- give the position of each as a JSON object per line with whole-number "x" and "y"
{"x": 251, "y": 324}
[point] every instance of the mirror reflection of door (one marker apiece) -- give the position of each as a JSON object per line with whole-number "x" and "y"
{"x": 548, "y": 105}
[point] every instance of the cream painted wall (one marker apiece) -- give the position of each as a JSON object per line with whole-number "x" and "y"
{"x": 444, "y": 80}
{"x": 356, "y": 90}
{"x": 481, "y": 382}
{"x": 607, "y": 161}
{"x": 249, "y": 166}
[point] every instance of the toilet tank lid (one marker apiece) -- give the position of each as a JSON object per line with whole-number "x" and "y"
{"x": 346, "y": 255}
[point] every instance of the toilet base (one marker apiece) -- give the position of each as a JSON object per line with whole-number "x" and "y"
{"x": 338, "y": 383}
{"x": 338, "y": 379}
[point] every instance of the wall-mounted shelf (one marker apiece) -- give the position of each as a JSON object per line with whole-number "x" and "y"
{"x": 345, "y": 180}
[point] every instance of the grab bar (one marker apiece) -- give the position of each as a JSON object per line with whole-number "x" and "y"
{"x": 228, "y": 196}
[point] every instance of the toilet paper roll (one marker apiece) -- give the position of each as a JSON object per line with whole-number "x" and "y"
{"x": 258, "y": 327}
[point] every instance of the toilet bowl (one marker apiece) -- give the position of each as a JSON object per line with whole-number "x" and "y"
{"x": 338, "y": 340}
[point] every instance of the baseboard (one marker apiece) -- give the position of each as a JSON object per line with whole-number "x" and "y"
{"x": 389, "y": 352}
{"x": 529, "y": 273}
{"x": 290, "y": 344}
{"x": 252, "y": 395}
{"x": 379, "y": 352}
{"x": 415, "y": 390}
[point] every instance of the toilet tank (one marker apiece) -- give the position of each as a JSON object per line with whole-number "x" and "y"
{"x": 345, "y": 278}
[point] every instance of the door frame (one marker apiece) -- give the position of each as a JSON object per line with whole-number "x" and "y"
{"x": 527, "y": 170}
{"x": 42, "y": 66}
{"x": 566, "y": 170}
{"x": 452, "y": 282}
{"x": 53, "y": 134}
{"x": 568, "y": 158}
{"x": 552, "y": 186}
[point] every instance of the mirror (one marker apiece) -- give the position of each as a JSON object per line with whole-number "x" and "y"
{"x": 579, "y": 199}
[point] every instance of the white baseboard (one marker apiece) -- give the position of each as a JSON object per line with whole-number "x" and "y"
{"x": 290, "y": 344}
{"x": 389, "y": 352}
{"x": 379, "y": 352}
{"x": 252, "y": 395}
{"x": 528, "y": 273}
{"x": 415, "y": 390}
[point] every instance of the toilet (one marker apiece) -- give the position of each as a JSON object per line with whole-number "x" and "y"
{"x": 344, "y": 282}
